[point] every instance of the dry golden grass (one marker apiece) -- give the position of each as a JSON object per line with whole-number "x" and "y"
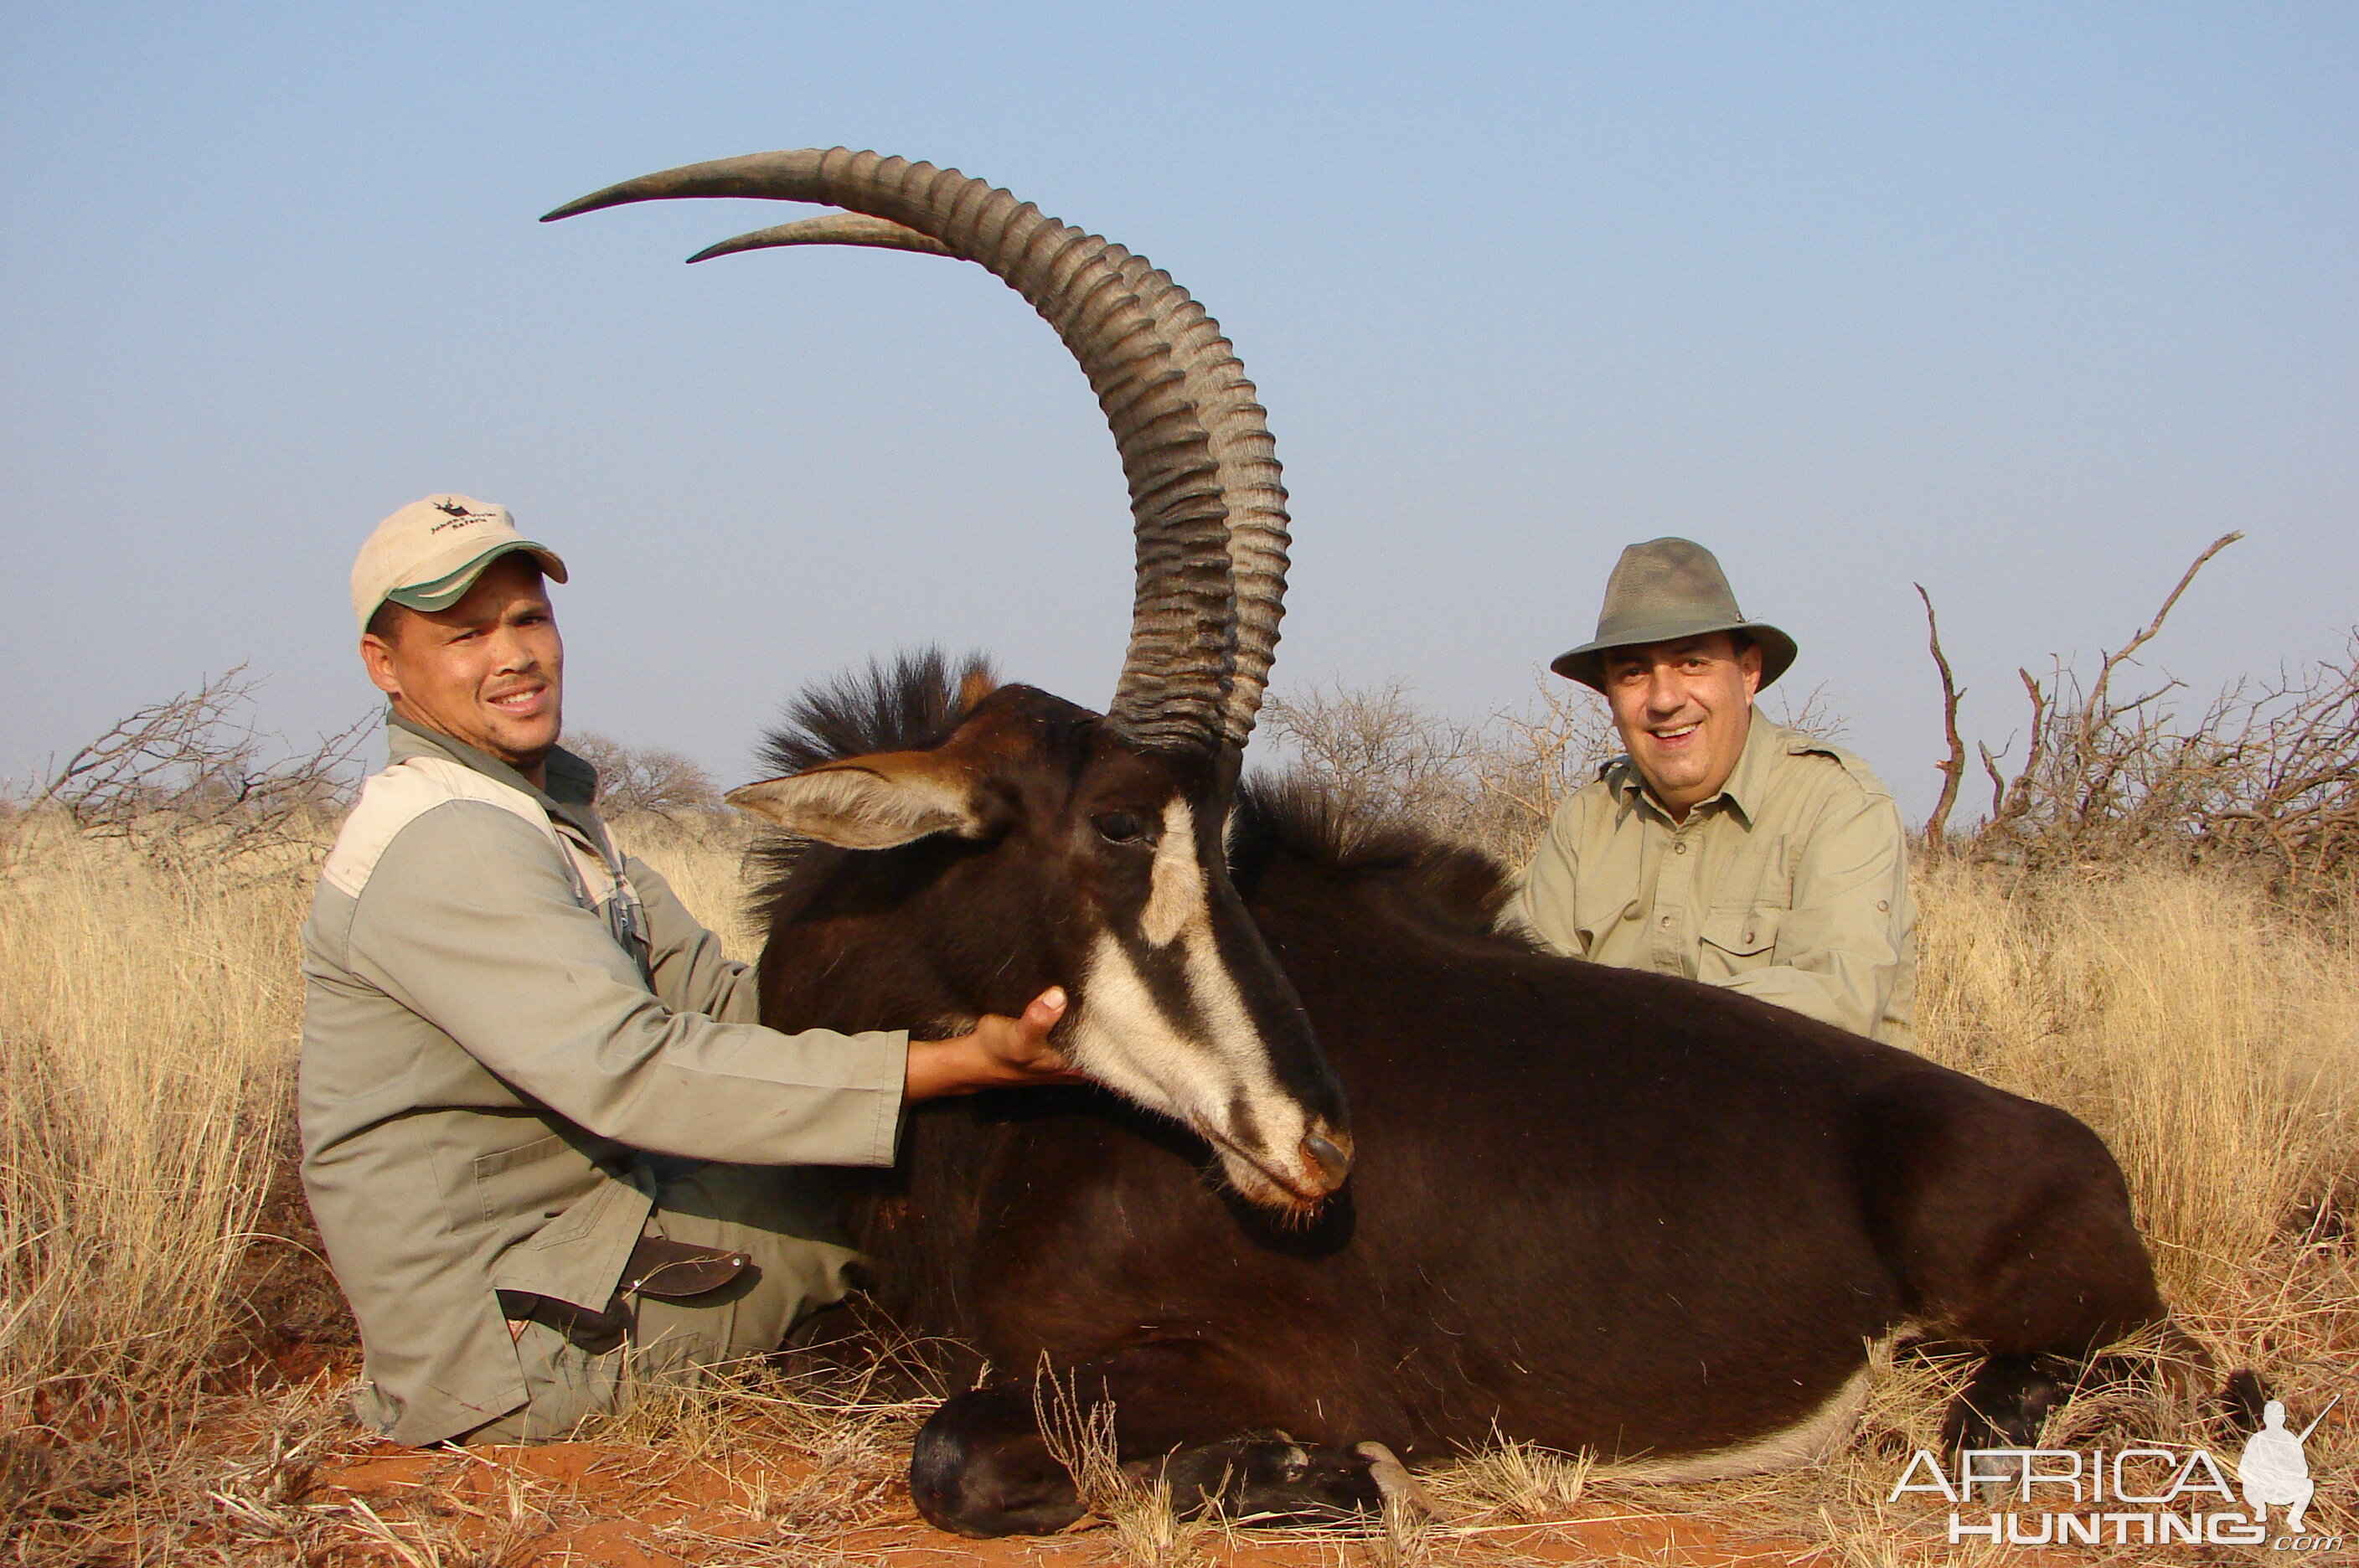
{"x": 148, "y": 1023}
{"x": 2210, "y": 1035}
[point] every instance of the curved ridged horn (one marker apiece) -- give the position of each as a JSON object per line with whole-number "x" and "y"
{"x": 829, "y": 228}
{"x": 1226, "y": 404}
{"x": 1209, "y": 512}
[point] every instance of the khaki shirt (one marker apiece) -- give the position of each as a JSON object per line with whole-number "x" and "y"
{"x": 500, "y": 1013}
{"x": 1791, "y": 885}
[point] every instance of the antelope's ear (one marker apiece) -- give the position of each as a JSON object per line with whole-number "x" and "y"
{"x": 869, "y": 802}
{"x": 977, "y": 683}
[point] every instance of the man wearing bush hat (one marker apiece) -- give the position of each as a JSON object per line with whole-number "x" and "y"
{"x": 1720, "y": 847}
{"x": 545, "y": 1140}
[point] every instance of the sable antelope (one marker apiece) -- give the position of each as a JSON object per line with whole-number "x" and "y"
{"x": 1593, "y": 1208}
{"x": 1058, "y": 846}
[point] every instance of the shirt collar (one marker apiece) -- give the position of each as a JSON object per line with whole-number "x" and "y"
{"x": 1746, "y": 783}
{"x": 572, "y": 783}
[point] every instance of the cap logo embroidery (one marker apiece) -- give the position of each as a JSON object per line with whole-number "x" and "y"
{"x": 460, "y": 517}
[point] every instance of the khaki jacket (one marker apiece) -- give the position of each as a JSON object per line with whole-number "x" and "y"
{"x": 498, "y": 1013}
{"x": 1791, "y": 885}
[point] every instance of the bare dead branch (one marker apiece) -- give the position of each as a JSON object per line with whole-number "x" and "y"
{"x": 192, "y": 781}
{"x": 2262, "y": 774}
{"x": 2112, "y": 661}
{"x": 2018, "y": 800}
{"x": 1953, "y": 769}
{"x": 1997, "y": 780}
{"x": 1370, "y": 749}
{"x": 1816, "y": 715}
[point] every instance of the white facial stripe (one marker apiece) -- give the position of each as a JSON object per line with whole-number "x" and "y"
{"x": 1175, "y": 888}
{"x": 1200, "y": 1075}
{"x": 1126, "y": 1040}
{"x": 1127, "y": 1043}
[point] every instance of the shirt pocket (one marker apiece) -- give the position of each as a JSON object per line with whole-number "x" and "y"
{"x": 537, "y": 1179}
{"x": 1597, "y": 919}
{"x": 1735, "y": 941}
{"x": 1755, "y": 876}
{"x": 579, "y": 1256}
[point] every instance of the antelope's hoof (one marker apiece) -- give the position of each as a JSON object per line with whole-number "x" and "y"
{"x": 1393, "y": 1479}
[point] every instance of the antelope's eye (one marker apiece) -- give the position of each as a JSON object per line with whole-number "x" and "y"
{"x": 1124, "y": 827}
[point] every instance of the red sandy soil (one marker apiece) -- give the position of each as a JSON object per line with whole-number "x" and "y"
{"x": 606, "y": 1504}
{"x": 633, "y": 1507}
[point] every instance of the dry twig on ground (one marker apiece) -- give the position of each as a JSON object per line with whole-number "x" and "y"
{"x": 1081, "y": 1437}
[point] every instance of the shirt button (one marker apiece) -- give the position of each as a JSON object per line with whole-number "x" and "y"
{"x": 1884, "y": 906}
{"x": 1680, "y": 847}
{"x": 1665, "y": 922}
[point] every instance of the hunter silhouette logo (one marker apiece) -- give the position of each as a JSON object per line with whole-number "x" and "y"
{"x": 2273, "y": 1468}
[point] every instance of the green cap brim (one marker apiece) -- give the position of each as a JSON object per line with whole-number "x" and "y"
{"x": 448, "y": 590}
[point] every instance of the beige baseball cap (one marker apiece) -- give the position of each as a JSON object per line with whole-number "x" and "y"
{"x": 430, "y": 553}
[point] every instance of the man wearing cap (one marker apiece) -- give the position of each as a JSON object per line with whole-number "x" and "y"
{"x": 1720, "y": 846}
{"x": 545, "y": 1142}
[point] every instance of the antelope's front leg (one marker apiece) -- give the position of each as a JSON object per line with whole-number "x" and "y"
{"x": 983, "y": 1468}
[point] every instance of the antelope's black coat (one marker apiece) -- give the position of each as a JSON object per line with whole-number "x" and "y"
{"x": 1591, "y": 1208}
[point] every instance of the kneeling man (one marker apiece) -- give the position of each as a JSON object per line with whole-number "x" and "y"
{"x": 548, "y": 1145}
{"x": 1722, "y": 847}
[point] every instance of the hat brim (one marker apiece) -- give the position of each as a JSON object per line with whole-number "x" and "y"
{"x": 448, "y": 589}
{"x": 1586, "y": 663}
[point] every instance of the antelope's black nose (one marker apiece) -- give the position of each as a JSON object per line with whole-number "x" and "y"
{"x": 1328, "y": 1153}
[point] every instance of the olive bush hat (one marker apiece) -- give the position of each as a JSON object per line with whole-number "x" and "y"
{"x": 430, "y": 553}
{"x": 1661, "y": 592}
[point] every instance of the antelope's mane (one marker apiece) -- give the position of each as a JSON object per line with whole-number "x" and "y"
{"x": 915, "y": 701}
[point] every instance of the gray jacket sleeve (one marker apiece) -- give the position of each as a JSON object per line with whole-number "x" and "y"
{"x": 471, "y": 923}
{"x": 692, "y": 974}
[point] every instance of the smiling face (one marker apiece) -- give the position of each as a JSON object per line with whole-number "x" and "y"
{"x": 1682, "y": 709}
{"x": 489, "y": 671}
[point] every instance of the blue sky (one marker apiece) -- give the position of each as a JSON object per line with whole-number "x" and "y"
{"x": 2024, "y": 302}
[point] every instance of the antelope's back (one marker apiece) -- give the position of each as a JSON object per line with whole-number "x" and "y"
{"x": 1584, "y": 1199}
